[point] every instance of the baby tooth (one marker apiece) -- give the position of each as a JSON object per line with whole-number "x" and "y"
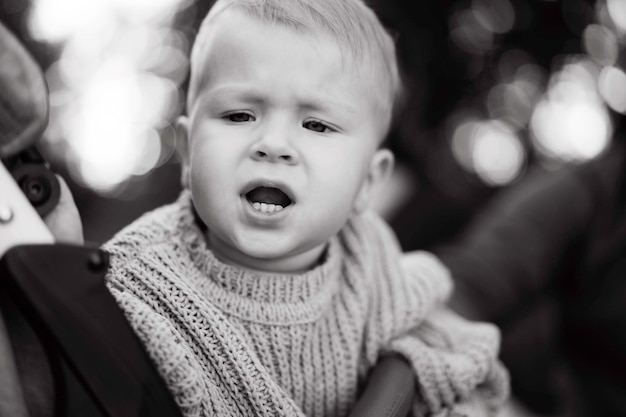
{"x": 267, "y": 208}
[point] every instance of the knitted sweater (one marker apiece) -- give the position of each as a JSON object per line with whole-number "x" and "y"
{"x": 235, "y": 342}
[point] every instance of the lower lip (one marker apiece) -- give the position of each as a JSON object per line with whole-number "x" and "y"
{"x": 265, "y": 218}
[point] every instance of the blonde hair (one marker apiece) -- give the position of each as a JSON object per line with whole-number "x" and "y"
{"x": 351, "y": 23}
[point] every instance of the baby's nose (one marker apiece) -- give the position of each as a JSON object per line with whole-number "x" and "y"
{"x": 263, "y": 155}
{"x": 275, "y": 146}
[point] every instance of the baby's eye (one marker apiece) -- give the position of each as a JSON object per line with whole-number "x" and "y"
{"x": 240, "y": 117}
{"x": 317, "y": 126}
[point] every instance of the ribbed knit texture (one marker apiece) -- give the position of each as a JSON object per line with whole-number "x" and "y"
{"x": 235, "y": 342}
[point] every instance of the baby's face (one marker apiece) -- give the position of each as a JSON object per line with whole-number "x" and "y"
{"x": 283, "y": 144}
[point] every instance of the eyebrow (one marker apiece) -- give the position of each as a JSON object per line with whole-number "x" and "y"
{"x": 255, "y": 96}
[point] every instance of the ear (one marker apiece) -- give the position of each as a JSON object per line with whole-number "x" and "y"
{"x": 182, "y": 149}
{"x": 379, "y": 172}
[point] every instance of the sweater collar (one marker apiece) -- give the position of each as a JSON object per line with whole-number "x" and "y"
{"x": 256, "y": 295}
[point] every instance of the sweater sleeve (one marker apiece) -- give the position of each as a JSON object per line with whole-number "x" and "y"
{"x": 455, "y": 361}
{"x": 455, "y": 365}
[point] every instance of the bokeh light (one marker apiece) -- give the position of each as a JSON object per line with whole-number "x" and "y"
{"x": 59, "y": 20}
{"x": 612, "y": 86}
{"x": 116, "y": 84}
{"x": 601, "y": 44}
{"x": 468, "y": 34}
{"x": 491, "y": 149}
{"x": 571, "y": 123}
{"x": 474, "y": 29}
{"x": 617, "y": 11}
{"x": 147, "y": 11}
{"x": 515, "y": 100}
{"x": 497, "y": 16}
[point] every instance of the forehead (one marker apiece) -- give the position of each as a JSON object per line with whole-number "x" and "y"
{"x": 240, "y": 49}
{"x": 233, "y": 31}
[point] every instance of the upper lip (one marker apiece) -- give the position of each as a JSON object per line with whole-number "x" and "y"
{"x": 285, "y": 188}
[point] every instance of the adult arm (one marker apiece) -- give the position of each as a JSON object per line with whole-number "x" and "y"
{"x": 512, "y": 249}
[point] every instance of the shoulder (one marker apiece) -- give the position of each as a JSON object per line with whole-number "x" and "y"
{"x": 415, "y": 268}
{"x": 153, "y": 247}
{"x": 405, "y": 280}
{"x": 425, "y": 268}
{"x": 163, "y": 224}
{"x": 370, "y": 232}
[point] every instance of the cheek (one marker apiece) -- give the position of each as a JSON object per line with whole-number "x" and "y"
{"x": 211, "y": 179}
{"x": 206, "y": 168}
{"x": 339, "y": 181}
{"x": 212, "y": 156}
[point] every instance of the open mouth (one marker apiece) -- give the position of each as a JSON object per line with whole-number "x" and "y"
{"x": 268, "y": 199}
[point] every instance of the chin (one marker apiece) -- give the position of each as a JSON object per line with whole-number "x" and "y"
{"x": 263, "y": 247}
{"x": 279, "y": 261}
{"x": 264, "y": 255}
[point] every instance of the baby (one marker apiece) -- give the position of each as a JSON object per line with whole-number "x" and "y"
{"x": 268, "y": 288}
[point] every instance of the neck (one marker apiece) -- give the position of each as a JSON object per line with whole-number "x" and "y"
{"x": 289, "y": 264}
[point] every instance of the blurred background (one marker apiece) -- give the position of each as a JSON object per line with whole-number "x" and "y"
{"x": 496, "y": 90}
